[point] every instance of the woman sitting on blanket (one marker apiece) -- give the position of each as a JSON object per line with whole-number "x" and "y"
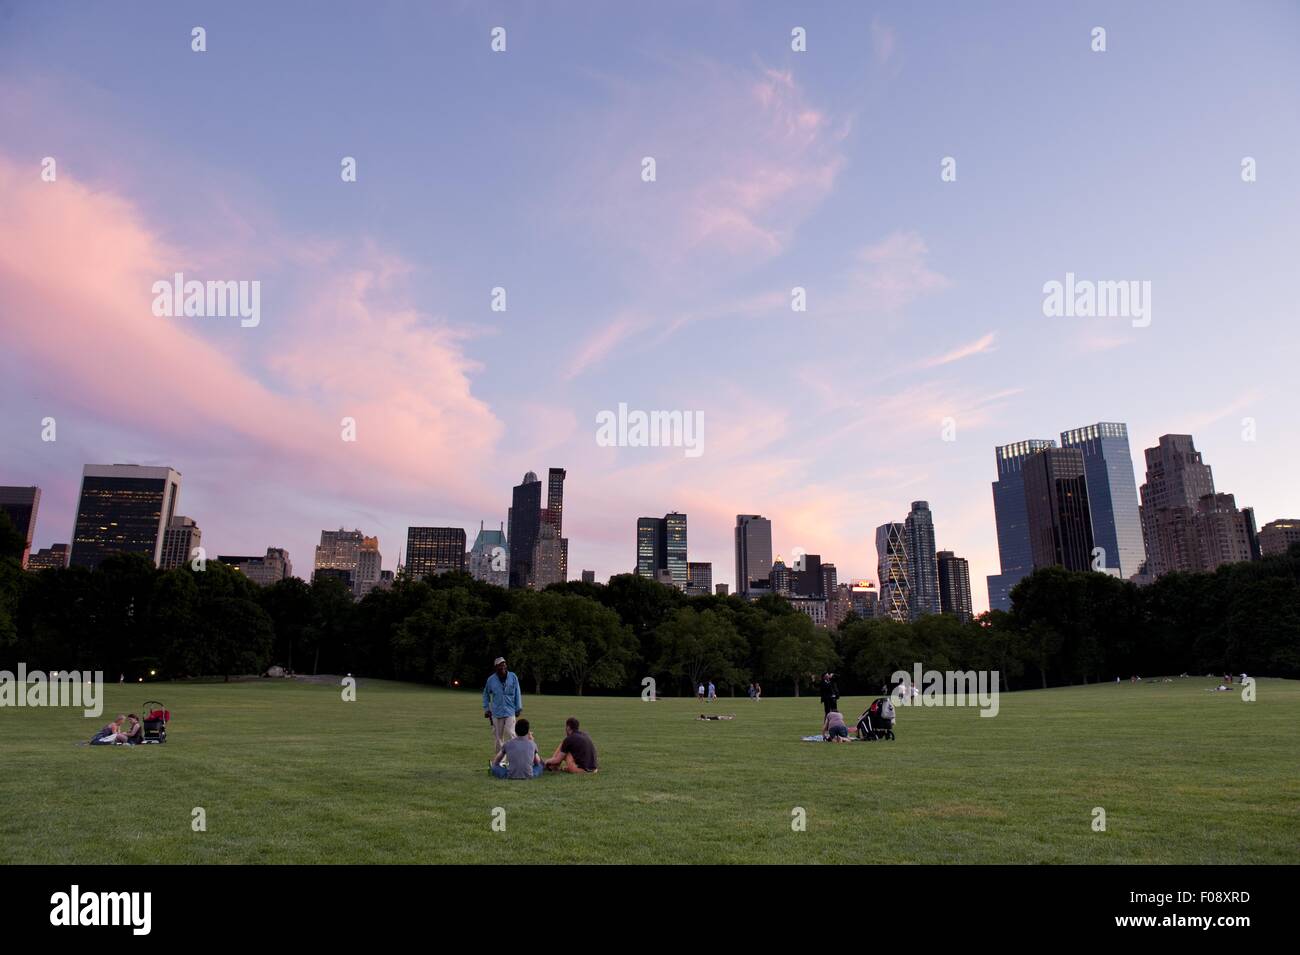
{"x": 833, "y": 728}
{"x": 110, "y": 734}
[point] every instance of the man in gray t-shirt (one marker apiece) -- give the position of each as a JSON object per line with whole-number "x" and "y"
{"x": 521, "y": 754}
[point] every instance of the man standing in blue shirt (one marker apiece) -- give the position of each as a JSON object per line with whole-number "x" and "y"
{"x": 502, "y": 703}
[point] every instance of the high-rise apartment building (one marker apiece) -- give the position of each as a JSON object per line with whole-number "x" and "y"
{"x": 954, "y": 585}
{"x": 353, "y": 554}
{"x": 753, "y": 553}
{"x": 180, "y": 541}
{"x": 1176, "y": 480}
{"x": 588, "y": 576}
{"x": 1015, "y": 556}
{"x": 922, "y": 567}
{"x": 1112, "y": 495}
{"x": 548, "y": 558}
{"x": 674, "y": 548}
{"x": 434, "y": 550}
{"x": 864, "y": 599}
{"x": 123, "y": 509}
{"x": 21, "y": 505}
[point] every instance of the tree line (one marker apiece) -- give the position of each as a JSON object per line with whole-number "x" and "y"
{"x": 127, "y": 617}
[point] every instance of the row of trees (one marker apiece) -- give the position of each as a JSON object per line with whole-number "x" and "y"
{"x": 128, "y": 617}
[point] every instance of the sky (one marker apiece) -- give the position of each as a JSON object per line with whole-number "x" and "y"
{"x": 924, "y": 343}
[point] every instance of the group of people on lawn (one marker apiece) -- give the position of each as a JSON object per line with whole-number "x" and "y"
{"x": 515, "y": 755}
{"x": 125, "y": 730}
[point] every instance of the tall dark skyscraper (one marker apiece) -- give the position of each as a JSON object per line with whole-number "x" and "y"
{"x": 922, "y": 568}
{"x": 806, "y": 578}
{"x": 661, "y": 549}
{"x": 1112, "y": 495}
{"x": 1015, "y": 556}
{"x": 674, "y": 548}
{"x": 954, "y": 585}
{"x": 21, "y": 504}
{"x": 892, "y": 571}
{"x": 649, "y": 546}
{"x": 753, "y": 553}
{"x": 1056, "y": 502}
{"x": 123, "y": 509}
{"x": 554, "y": 516}
{"x": 434, "y": 550}
{"x": 525, "y": 524}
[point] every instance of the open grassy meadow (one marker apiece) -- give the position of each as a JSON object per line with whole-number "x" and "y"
{"x": 289, "y": 773}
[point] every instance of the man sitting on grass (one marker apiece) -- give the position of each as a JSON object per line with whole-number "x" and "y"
{"x": 576, "y": 752}
{"x": 521, "y": 755}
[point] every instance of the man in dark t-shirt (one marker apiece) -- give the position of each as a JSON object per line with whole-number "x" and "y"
{"x": 576, "y": 752}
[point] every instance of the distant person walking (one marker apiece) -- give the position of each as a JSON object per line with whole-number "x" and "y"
{"x": 699, "y": 692}
{"x": 502, "y": 703}
{"x": 713, "y": 692}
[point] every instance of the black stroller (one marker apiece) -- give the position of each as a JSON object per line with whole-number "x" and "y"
{"x": 877, "y": 721}
{"x": 156, "y": 717}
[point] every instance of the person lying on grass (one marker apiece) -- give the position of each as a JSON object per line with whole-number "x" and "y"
{"x": 833, "y": 728}
{"x": 576, "y": 752}
{"x": 519, "y": 754}
{"x": 703, "y": 717}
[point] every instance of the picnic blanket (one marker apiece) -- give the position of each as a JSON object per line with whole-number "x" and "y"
{"x": 819, "y": 739}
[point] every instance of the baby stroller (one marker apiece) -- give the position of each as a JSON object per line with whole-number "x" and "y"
{"x": 877, "y": 721}
{"x": 155, "y": 722}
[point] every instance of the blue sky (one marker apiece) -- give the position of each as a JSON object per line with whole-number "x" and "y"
{"x": 522, "y": 169}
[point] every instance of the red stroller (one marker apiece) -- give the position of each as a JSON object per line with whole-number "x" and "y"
{"x": 156, "y": 717}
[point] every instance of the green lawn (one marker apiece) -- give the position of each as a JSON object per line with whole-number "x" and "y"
{"x": 287, "y": 772}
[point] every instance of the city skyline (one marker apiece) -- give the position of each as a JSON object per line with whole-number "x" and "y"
{"x": 924, "y": 343}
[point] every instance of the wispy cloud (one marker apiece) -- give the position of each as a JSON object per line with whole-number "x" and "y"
{"x": 980, "y": 346}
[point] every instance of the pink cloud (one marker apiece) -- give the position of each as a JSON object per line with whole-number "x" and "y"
{"x": 76, "y": 269}
{"x": 980, "y": 346}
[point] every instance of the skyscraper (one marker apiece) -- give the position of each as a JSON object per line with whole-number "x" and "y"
{"x": 181, "y": 538}
{"x": 892, "y": 569}
{"x": 806, "y": 576}
{"x": 779, "y": 578}
{"x": 954, "y": 585}
{"x": 123, "y": 509}
{"x": 21, "y": 504}
{"x": 753, "y": 553}
{"x": 548, "y": 558}
{"x": 649, "y": 547}
{"x": 922, "y": 567}
{"x": 588, "y": 576}
{"x": 1222, "y": 533}
{"x": 489, "y": 558}
{"x": 1176, "y": 480}
{"x": 525, "y": 520}
{"x": 1056, "y": 502}
{"x": 554, "y": 515}
{"x": 1015, "y": 556}
{"x": 349, "y": 555}
{"x": 434, "y": 550}
{"x": 1112, "y": 495}
{"x": 674, "y": 548}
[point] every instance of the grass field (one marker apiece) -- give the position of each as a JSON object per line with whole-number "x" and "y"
{"x": 287, "y": 772}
